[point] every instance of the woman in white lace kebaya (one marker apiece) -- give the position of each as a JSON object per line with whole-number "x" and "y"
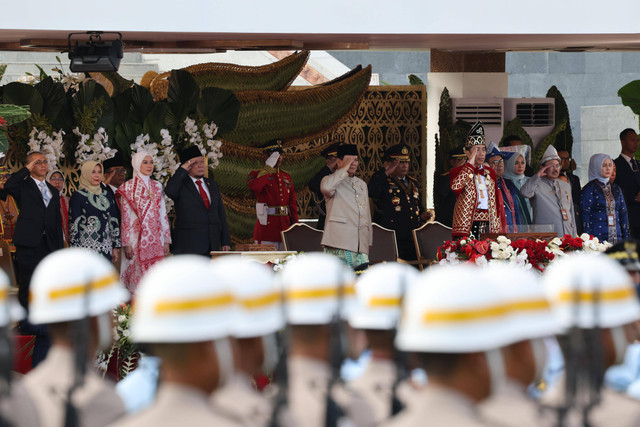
{"x": 144, "y": 224}
{"x": 93, "y": 215}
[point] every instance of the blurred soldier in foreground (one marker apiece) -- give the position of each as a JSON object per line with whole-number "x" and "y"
{"x": 73, "y": 291}
{"x": 16, "y": 406}
{"x": 260, "y": 317}
{"x": 316, "y": 288}
{"x": 531, "y": 319}
{"x": 379, "y": 293}
{"x": 455, "y": 327}
{"x": 184, "y": 311}
{"x": 598, "y": 310}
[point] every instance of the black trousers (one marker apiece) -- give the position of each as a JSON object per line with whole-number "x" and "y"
{"x": 478, "y": 228}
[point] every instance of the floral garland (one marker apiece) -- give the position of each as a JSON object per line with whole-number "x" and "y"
{"x": 125, "y": 351}
{"x": 49, "y": 145}
{"x": 209, "y": 148}
{"x": 95, "y": 148}
{"x": 525, "y": 253}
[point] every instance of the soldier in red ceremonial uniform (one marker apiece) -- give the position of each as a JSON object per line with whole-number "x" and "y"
{"x": 277, "y": 206}
{"x": 479, "y": 208}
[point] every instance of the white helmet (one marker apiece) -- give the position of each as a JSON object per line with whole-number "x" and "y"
{"x": 586, "y": 290}
{"x": 259, "y": 300}
{"x": 182, "y": 299}
{"x": 71, "y": 284}
{"x": 530, "y": 312}
{"x": 10, "y": 310}
{"x": 452, "y": 309}
{"x": 379, "y": 293}
{"x": 311, "y": 284}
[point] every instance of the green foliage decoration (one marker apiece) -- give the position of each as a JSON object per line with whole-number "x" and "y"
{"x": 564, "y": 139}
{"x": 415, "y": 80}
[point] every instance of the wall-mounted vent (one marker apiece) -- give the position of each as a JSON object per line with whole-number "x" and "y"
{"x": 535, "y": 115}
{"x": 488, "y": 114}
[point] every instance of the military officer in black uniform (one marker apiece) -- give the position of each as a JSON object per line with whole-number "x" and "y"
{"x": 446, "y": 197}
{"x": 331, "y": 156}
{"x": 396, "y": 199}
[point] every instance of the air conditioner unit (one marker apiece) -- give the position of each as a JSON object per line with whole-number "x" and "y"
{"x": 489, "y": 111}
{"x": 537, "y": 115}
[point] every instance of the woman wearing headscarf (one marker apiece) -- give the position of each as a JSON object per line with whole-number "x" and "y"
{"x": 604, "y": 212}
{"x": 144, "y": 222}
{"x": 514, "y": 168}
{"x": 56, "y": 178}
{"x": 93, "y": 215}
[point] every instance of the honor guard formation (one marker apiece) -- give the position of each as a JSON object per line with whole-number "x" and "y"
{"x": 450, "y": 346}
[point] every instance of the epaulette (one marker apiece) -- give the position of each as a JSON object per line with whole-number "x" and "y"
{"x": 412, "y": 178}
{"x": 444, "y": 174}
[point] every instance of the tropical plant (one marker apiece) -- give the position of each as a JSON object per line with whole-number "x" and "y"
{"x": 630, "y": 96}
{"x": 564, "y": 139}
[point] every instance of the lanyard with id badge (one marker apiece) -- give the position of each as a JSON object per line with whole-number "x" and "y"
{"x": 563, "y": 211}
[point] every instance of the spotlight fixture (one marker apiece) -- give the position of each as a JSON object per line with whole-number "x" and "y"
{"x": 95, "y": 54}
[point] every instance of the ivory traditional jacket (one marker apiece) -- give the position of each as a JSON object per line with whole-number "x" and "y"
{"x": 548, "y": 198}
{"x": 348, "y": 224}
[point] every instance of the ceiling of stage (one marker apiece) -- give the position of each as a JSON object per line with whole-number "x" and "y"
{"x": 181, "y": 42}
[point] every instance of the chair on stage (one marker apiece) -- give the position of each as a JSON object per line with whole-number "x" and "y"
{"x": 6, "y": 263}
{"x": 302, "y": 238}
{"x": 384, "y": 247}
{"x": 428, "y": 239}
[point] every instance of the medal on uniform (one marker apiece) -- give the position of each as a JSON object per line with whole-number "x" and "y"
{"x": 611, "y": 220}
{"x": 395, "y": 201}
{"x": 398, "y": 208}
{"x": 565, "y": 216}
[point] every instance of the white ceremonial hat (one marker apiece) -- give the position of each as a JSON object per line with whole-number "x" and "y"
{"x": 10, "y": 310}
{"x": 71, "y": 284}
{"x": 182, "y": 299}
{"x": 453, "y": 309}
{"x": 379, "y": 293}
{"x": 588, "y": 290}
{"x": 530, "y": 312}
{"x": 259, "y": 301}
{"x": 549, "y": 154}
{"x": 315, "y": 287}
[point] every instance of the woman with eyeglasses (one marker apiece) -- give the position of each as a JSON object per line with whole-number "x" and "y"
{"x": 144, "y": 222}
{"x": 604, "y": 212}
{"x": 56, "y": 178}
{"x": 93, "y": 215}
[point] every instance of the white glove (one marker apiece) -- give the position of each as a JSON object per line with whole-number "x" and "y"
{"x": 272, "y": 160}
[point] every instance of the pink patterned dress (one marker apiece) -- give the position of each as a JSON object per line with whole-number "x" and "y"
{"x": 144, "y": 227}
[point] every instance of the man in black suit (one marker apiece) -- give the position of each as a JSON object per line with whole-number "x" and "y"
{"x": 331, "y": 157}
{"x": 38, "y": 230}
{"x": 566, "y": 169}
{"x": 201, "y": 221}
{"x": 628, "y": 178}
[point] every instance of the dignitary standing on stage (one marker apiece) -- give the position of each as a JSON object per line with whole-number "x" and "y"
{"x": 396, "y": 199}
{"x": 447, "y": 198}
{"x": 331, "y": 156}
{"x": 114, "y": 172}
{"x": 347, "y": 233}
{"x": 38, "y": 230}
{"x": 201, "y": 221}
{"x": 551, "y": 197}
{"x": 277, "y": 206}
{"x": 56, "y": 178}
{"x": 628, "y": 178}
{"x": 144, "y": 227}
{"x": 478, "y": 202}
{"x": 94, "y": 217}
{"x": 604, "y": 213}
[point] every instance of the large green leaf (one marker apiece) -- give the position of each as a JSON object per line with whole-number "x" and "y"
{"x": 53, "y": 95}
{"x": 13, "y": 114}
{"x": 630, "y": 95}
{"x": 221, "y": 107}
{"x": 126, "y": 134}
{"x": 154, "y": 121}
{"x": 23, "y": 94}
{"x": 93, "y": 99}
{"x": 182, "y": 97}
{"x": 141, "y": 103}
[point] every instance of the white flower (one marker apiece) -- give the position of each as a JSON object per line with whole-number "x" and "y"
{"x": 504, "y": 240}
{"x": 481, "y": 261}
{"x": 126, "y": 333}
{"x": 122, "y": 318}
{"x": 585, "y": 237}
